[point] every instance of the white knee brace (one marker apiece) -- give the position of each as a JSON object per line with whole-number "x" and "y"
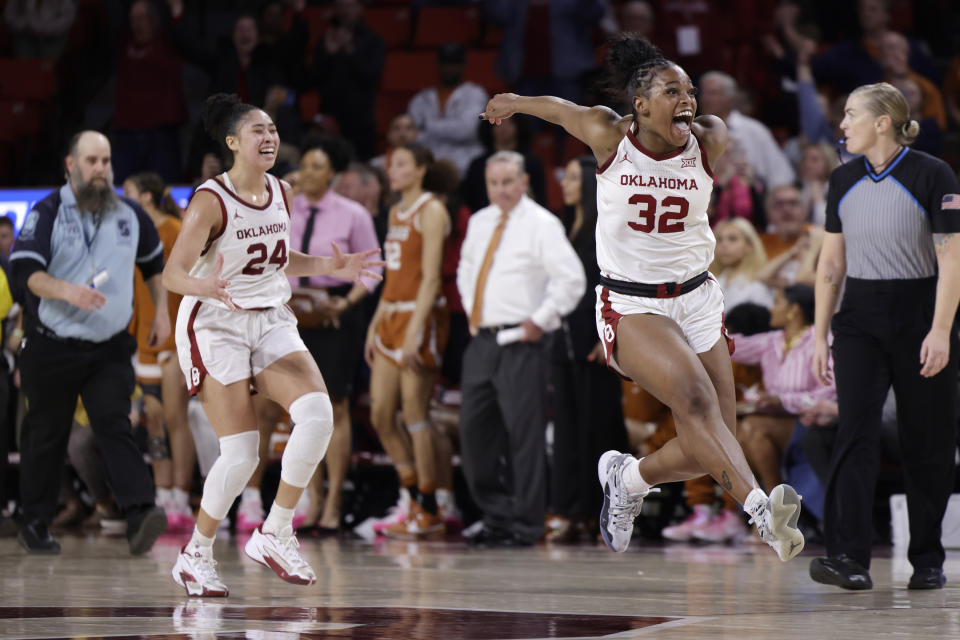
{"x": 230, "y": 473}
{"x": 312, "y": 416}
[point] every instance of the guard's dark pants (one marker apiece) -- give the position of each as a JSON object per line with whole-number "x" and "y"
{"x": 53, "y": 373}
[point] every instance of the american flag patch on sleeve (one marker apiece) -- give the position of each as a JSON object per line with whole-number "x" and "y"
{"x": 950, "y": 201}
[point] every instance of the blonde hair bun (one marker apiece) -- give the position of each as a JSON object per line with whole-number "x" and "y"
{"x": 910, "y": 130}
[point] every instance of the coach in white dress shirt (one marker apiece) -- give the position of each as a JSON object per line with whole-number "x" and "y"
{"x": 517, "y": 271}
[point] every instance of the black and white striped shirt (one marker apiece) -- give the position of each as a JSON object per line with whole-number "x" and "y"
{"x": 888, "y": 219}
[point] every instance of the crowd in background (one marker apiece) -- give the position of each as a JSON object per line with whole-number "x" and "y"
{"x": 777, "y": 73}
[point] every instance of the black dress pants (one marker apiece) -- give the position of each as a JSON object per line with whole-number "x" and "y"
{"x": 877, "y": 336}
{"x": 502, "y": 433}
{"x": 53, "y": 373}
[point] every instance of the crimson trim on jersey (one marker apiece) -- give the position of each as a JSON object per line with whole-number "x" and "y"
{"x": 283, "y": 193}
{"x": 195, "y": 360}
{"x": 223, "y": 214}
{"x": 703, "y": 154}
{"x": 651, "y": 154}
{"x": 244, "y": 202}
{"x": 606, "y": 165}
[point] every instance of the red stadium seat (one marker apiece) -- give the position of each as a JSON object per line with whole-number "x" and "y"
{"x": 391, "y": 23}
{"x": 309, "y": 103}
{"x": 28, "y": 79}
{"x": 409, "y": 71}
{"x": 19, "y": 120}
{"x": 388, "y": 105}
{"x": 439, "y": 25}
{"x": 481, "y": 64}
{"x": 317, "y": 19}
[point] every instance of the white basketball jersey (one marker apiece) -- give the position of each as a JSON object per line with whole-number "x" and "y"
{"x": 254, "y": 242}
{"x": 652, "y": 224}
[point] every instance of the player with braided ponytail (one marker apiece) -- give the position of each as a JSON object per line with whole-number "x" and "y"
{"x": 659, "y": 313}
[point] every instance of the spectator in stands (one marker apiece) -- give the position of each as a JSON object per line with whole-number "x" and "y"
{"x": 818, "y": 160}
{"x": 895, "y": 60}
{"x": 78, "y": 298}
{"x": 330, "y": 314}
{"x": 736, "y": 191}
{"x": 347, "y": 65}
{"x": 284, "y": 47}
{"x": 402, "y": 130}
{"x": 791, "y": 391}
{"x": 149, "y": 104}
{"x": 39, "y": 29}
{"x": 587, "y": 411}
{"x": 6, "y": 235}
{"x": 512, "y": 135}
{"x": 738, "y": 259}
{"x": 786, "y": 214}
{"x": 237, "y": 66}
{"x": 547, "y": 45}
{"x": 636, "y": 16}
{"x": 446, "y": 115}
{"x": 770, "y": 165}
{"x": 930, "y": 138}
{"x": 857, "y": 61}
{"x": 362, "y": 184}
{"x": 518, "y": 273}
{"x": 951, "y": 87}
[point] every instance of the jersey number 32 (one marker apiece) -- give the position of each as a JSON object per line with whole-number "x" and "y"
{"x": 669, "y": 221}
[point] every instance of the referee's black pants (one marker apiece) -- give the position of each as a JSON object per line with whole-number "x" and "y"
{"x": 877, "y": 336}
{"x": 53, "y": 373}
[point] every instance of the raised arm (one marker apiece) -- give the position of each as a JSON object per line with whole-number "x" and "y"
{"x": 600, "y": 128}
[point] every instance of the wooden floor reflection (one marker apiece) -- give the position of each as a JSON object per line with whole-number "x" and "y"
{"x": 443, "y": 590}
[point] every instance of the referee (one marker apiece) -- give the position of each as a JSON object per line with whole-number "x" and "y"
{"x": 73, "y": 272}
{"x": 892, "y": 222}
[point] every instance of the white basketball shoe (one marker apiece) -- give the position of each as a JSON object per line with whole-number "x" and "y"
{"x": 282, "y": 554}
{"x": 196, "y": 572}
{"x": 620, "y": 507}
{"x": 776, "y": 522}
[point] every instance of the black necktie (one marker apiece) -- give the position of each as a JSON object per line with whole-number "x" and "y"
{"x": 305, "y": 244}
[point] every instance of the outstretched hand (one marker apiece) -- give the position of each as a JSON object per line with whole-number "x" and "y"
{"x": 353, "y": 266}
{"x": 500, "y": 107}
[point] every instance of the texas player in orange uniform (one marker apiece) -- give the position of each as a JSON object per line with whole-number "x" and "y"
{"x": 407, "y": 334}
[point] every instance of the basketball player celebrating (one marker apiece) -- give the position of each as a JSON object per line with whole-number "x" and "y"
{"x": 231, "y": 263}
{"x": 659, "y": 313}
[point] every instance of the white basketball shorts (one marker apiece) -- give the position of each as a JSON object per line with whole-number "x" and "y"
{"x": 229, "y": 345}
{"x": 698, "y": 313}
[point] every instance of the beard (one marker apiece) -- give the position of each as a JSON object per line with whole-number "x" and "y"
{"x": 93, "y": 195}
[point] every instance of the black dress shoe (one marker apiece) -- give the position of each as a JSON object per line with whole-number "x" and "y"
{"x": 8, "y": 527}
{"x": 488, "y": 537}
{"x": 929, "y": 578}
{"x": 35, "y": 538}
{"x": 144, "y": 526}
{"x": 841, "y": 571}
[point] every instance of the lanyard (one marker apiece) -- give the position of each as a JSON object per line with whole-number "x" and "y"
{"x": 96, "y": 229}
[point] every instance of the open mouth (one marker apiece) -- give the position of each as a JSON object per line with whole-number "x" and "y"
{"x": 269, "y": 152}
{"x": 682, "y": 121}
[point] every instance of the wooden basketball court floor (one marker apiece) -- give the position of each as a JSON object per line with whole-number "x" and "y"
{"x": 408, "y": 591}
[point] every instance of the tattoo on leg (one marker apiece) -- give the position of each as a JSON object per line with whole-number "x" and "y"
{"x": 725, "y": 481}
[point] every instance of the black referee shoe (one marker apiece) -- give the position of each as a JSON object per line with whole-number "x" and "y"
{"x": 144, "y": 525}
{"x": 929, "y": 578}
{"x": 35, "y": 538}
{"x": 841, "y": 571}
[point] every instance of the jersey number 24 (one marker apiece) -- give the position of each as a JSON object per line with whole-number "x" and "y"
{"x": 669, "y": 221}
{"x": 259, "y": 252}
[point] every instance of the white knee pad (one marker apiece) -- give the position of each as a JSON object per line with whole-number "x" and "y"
{"x": 312, "y": 416}
{"x": 229, "y": 474}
